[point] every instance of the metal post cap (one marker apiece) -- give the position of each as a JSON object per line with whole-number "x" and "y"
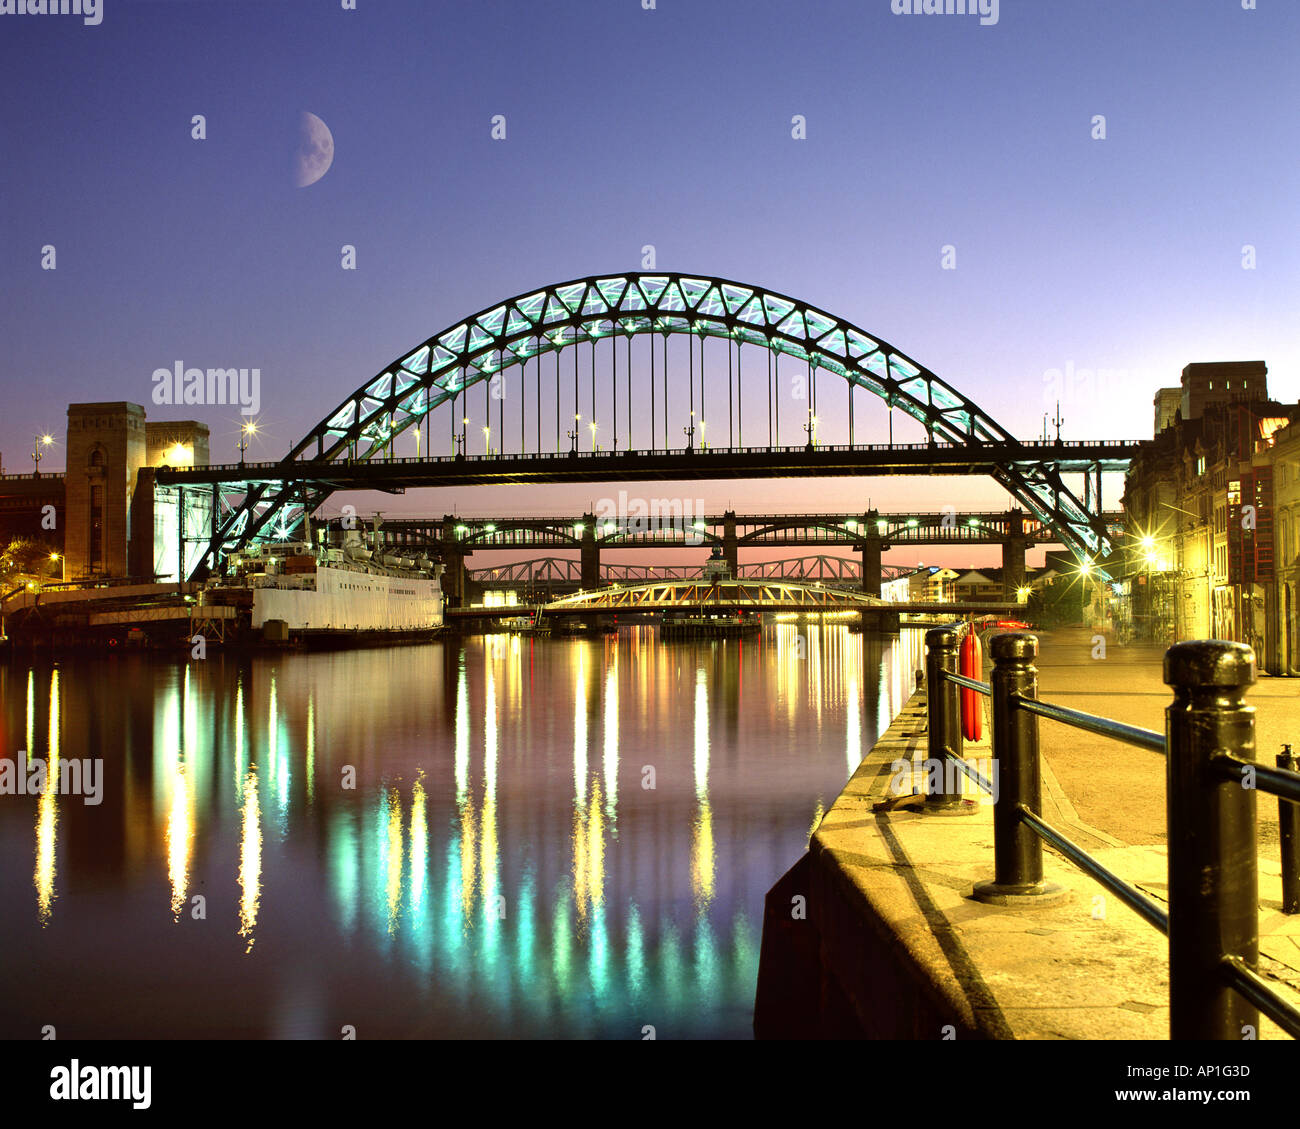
{"x": 940, "y": 637}
{"x": 1014, "y": 645}
{"x": 1210, "y": 662}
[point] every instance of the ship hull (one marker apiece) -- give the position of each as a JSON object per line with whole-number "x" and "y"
{"x": 343, "y": 601}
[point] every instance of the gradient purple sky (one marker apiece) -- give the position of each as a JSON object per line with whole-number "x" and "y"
{"x": 669, "y": 127}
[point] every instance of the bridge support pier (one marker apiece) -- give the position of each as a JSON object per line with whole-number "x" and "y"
{"x": 880, "y": 621}
{"x": 590, "y": 553}
{"x": 454, "y": 581}
{"x": 871, "y": 546}
{"x": 730, "y": 546}
{"x": 1013, "y": 555}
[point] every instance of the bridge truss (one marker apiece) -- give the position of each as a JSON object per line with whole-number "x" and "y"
{"x": 501, "y": 348}
{"x": 543, "y": 572}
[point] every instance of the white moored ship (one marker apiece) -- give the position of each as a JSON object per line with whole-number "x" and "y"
{"x": 297, "y": 590}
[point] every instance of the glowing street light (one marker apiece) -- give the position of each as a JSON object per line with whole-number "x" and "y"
{"x": 245, "y": 434}
{"x": 46, "y": 440}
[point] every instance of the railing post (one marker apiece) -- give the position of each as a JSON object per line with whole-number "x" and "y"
{"x": 1213, "y": 866}
{"x": 1017, "y": 777}
{"x": 944, "y": 711}
{"x": 1288, "y": 822}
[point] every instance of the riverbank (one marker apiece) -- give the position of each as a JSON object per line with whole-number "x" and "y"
{"x": 890, "y": 943}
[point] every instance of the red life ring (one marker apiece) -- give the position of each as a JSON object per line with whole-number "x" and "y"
{"x": 972, "y": 666}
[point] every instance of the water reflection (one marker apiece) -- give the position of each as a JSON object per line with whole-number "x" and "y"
{"x": 540, "y": 837}
{"x": 47, "y": 808}
{"x": 250, "y": 859}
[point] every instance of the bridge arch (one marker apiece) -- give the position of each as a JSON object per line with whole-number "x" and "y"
{"x": 590, "y": 310}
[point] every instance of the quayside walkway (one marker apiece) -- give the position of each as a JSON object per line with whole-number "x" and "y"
{"x": 876, "y": 932}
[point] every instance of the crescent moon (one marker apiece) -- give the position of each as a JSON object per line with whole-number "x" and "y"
{"x": 315, "y": 151}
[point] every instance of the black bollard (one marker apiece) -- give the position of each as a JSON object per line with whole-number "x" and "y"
{"x": 1288, "y": 822}
{"x": 1017, "y": 850}
{"x": 1213, "y": 866}
{"x": 943, "y": 709}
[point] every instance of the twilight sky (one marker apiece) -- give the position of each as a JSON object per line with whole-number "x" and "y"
{"x": 627, "y": 127}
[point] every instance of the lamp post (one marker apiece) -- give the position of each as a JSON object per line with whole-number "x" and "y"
{"x": 37, "y": 454}
{"x": 246, "y": 432}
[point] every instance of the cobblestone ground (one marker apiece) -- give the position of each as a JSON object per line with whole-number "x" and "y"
{"x": 1118, "y": 788}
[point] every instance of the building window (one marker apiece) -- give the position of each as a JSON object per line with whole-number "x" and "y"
{"x": 96, "y": 528}
{"x": 97, "y": 457}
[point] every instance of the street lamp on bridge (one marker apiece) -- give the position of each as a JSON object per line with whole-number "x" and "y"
{"x": 37, "y": 454}
{"x": 245, "y": 433}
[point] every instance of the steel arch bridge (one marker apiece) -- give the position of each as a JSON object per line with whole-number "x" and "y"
{"x": 269, "y": 501}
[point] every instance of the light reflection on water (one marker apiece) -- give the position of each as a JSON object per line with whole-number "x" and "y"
{"x": 496, "y": 837}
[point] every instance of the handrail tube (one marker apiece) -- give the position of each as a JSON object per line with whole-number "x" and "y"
{"x": 1131, "y": 896}
{"x": 1130, "y": 734}
{"x": 969, "y": 683}
{"x": 1276, "y": 781}
{"x": 980, "y": 779}
{"x": 1259, "y": 992}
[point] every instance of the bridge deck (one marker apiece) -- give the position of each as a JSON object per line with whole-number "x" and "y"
{"x": 699, "y": 463}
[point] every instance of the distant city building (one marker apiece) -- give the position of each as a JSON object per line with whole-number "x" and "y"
{"x": 924, "y": 585}
{"x": 110, "y": 519}
{"x": 1221, "y": 382}
{"x": 1169, "y": 402}
{"x": 1201, "y": 554}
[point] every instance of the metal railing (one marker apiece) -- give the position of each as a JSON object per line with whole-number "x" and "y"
{"x": 1215, "y": 990}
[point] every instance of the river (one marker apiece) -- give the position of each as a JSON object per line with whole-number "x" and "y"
{"x": 495, "y": 836}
